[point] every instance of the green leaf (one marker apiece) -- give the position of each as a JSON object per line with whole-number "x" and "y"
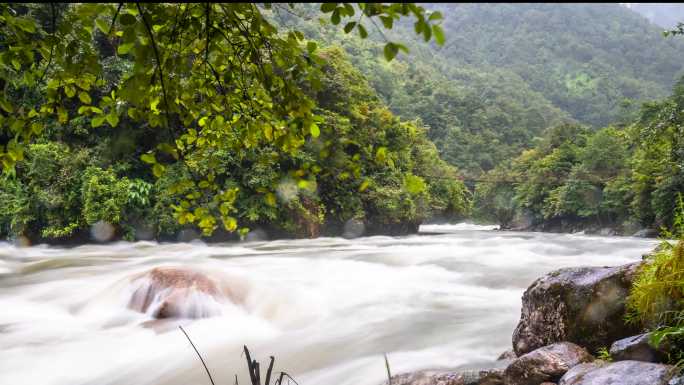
{"x": 315, "y": 131}
{"x": 157, "y": 170}
{"x": 25, "y": 24}
{"x": 102, "y": 25}
{"x": 230, "y": 223}
{"x": 97, "y": 121}
{"x": 148, "y": 158}
{"x": 16, "y": 64}
{"x": 435, "y": 16}
{"x": 5, "y": 105}
{"x": 335, "y": 18}
{"x": 362, "y": 31}
{"x": 439, "y": 34}
{"x": 391, "y": 51}
{"x": 112, "y": 119}
{"x": 70, "y": 90}
{"x": 364, "y": 185}
{"x": 328, "y": 7}
{"x": 127, "y": 19}
{"x": 125, "y": 48}
{"x": 381, "y": 154}
{"x": 348, "y": 28}
{"x": 387, "y": 21}
{"x": 311, "y": 46}
{"x": 85, "y": 98}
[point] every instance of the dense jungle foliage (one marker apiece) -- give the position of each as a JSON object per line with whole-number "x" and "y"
{"x": 625, "y": 176}
{"x": 156, "y": 118}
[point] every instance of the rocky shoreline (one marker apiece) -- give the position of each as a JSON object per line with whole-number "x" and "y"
{"x": 567, "y": 316}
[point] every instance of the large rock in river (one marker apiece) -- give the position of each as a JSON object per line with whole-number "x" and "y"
{"x": 179, "y": 292}
{"x": 618, "y": 373}
{"x": 583, "y": 305}
{"x": 548, "y": 363}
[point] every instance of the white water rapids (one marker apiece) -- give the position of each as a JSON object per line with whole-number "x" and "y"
{"x": 326, "y": 308}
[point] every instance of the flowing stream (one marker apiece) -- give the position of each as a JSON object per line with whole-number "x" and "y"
{"x": 326, "y": 308}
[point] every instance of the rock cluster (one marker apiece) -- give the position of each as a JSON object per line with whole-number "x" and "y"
{"x": 566, "y": 315}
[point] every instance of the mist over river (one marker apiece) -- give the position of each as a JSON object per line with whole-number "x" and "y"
{"x": 326, "y": 308}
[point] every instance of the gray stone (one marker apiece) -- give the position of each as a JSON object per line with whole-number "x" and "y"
{"x": 583, "y": 305}
{"x": 618, "y": 373}
{"x": 491, "y": 376}
{"x": 677, "y": 380}
{"x": 548, "y": 363}
{"x": 637, "y": 348}
{"x": 507, "y": 355}
{"x": 646, "y": 233}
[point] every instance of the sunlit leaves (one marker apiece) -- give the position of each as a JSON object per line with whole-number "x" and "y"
{"x": 84, "y": 97}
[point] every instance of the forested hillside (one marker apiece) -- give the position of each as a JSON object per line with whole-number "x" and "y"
{"x": 509, "y": 71}
{"x": 585, "y": 58}
{"x": 662, "y": 15}
{"x": 623, "y": 177}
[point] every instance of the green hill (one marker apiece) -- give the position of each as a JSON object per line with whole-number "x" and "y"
{"x": 585, "y": 58}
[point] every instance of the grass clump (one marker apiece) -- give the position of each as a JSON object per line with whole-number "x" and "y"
{"x": 656, "y": 300}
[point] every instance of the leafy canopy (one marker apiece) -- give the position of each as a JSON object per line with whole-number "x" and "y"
{"x": 201, "y": 78}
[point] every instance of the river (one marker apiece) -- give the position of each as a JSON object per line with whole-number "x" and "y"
{"x": 326, "y": 308}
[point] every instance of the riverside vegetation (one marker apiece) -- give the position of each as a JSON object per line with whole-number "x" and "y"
{"x": 158, "y": 118}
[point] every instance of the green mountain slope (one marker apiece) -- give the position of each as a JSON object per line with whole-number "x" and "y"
{"x": 585, "y": 58}
{"x": 509, "y": 71}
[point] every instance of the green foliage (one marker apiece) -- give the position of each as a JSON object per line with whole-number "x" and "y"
{"x": 104, "y": 196}
{"x": 604, "y": 354}
{"x": 214, "y": 92}
{"x": 494, "y": 197}
{"x": 656, "y": 299}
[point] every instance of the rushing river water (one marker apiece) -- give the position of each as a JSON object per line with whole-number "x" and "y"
{"x": 327, "y": 308}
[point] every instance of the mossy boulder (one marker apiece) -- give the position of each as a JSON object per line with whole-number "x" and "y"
{"x": 583, "y": 305}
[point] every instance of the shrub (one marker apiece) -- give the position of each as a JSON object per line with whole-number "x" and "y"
{"x": 104, "y": 196}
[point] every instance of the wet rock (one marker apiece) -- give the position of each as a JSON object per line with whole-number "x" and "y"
{"x": 583, "y": 305}
{"x": 173, "y": 292}
{"x": 618, "y": 373}
{"x": 545, "y": 364}
{"x": 677, "y": 380}
{"x": 646, "y": 233}
{"x": 637, "y": 348}
{"x": 491, "y": 376}
{"x": 607, "y": 231}
{"x": 507, "y": 355}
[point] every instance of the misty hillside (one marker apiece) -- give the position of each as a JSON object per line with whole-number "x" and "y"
{"x": 509, "y": 71}
{"x": 663, "y": 15}
{"x": 585, "y": 58}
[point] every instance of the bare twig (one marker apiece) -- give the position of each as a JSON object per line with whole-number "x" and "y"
{"x": 389, "y": 374}
{"x": 114, "y": 19}
{"x": 200, "y": 356}
{"x": 159, "y": 63}
{"x": 52, "y": 46}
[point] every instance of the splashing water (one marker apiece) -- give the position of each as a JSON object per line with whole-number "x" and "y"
{"x": 327, "y": 308}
